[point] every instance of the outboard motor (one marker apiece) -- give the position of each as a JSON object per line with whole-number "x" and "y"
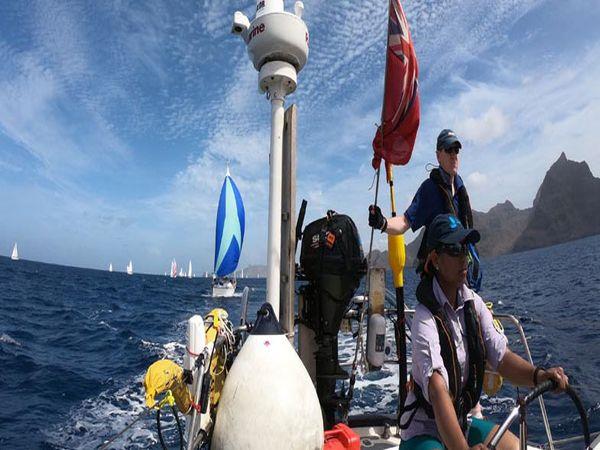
{"x": 333, "y": 263}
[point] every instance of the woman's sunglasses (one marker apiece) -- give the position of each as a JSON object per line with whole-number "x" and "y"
{"x": 454, "y": 250}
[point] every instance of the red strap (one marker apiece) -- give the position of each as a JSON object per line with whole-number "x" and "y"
{"x": 191, "y": 353}
{"x": 197, "y": 407}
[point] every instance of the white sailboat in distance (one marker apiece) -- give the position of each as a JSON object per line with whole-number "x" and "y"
{"x": 110, "y": 268}
{"x": 189, "y": 274}
{"x": 173, "y": 268}
{"x": 130, "y": 268}
{"x": 15, "y": 253}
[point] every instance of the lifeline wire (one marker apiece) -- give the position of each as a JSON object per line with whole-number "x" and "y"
{"x": 361, "y": 317}
{"x": 120, "y": 433}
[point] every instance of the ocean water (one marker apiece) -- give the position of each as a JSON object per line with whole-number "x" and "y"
{"x": 75, "y": 344}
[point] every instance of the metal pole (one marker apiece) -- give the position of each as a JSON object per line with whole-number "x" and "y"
{"x": 288, "y": 226}
{"x": 274, "y": 230}
{"x": 517, "y": 324}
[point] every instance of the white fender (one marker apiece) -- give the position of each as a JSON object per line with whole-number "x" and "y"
{"x": 268, "y": 401}
{"x": 376, "y": 340}
{"x": 196, "y": 341}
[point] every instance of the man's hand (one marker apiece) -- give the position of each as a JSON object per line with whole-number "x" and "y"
{"x": 557, "y": 374}
{"x": 376, "y": 219}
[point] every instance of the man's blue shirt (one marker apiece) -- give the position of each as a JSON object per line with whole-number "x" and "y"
{"x": 428, "y": 202}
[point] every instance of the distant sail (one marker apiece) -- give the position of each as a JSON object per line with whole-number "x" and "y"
{"x": 173, "y": 268}
{"x": 130, "y": 268}
{"x": 230, "y": 228}
{"x": 110, "y": 269}
{"x": 189, "y": 274}
{"x": 15, "y": 253}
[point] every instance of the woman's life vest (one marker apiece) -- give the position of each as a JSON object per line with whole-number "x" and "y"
{"x": 463, "y": 398}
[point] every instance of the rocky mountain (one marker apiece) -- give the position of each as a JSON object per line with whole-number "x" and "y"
{"x": 255, "y": 271}
{"x": 500, "y": 228}
{"x": 566, "y": 207}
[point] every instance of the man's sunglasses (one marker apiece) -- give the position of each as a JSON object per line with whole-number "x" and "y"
{"x": 451, "y": 150}
{"x": 454, "y": 249}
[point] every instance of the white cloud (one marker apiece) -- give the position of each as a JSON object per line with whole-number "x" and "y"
{"x": 485, "y": 128}
{"x": 477, "y": 180}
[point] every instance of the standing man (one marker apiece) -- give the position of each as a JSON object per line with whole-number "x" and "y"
{"x": 442, "y": 193}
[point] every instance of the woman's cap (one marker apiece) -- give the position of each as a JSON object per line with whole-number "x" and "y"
{"x": 446, "y": 229}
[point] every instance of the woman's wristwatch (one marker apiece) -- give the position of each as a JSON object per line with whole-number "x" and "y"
{"x": 536, "y": 373}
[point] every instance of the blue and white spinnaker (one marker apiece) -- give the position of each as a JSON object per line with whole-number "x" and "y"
{"x": 230, "y": 228}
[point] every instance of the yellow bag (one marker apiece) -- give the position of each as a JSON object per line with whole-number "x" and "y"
{"x": 218, "y": 317}
{"x": 165, "y": 375}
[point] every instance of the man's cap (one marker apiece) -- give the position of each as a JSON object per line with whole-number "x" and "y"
{"x": 447, "y": 139}
{"x": 446, "y": 229}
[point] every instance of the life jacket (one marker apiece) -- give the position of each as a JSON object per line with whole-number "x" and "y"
{"x": 465, "y": 215}
{"x": 463, "y": 399}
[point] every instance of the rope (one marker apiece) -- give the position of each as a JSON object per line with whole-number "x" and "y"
{"x": 159, "y": 427}
{"x": 367, "y": 282}
{"x": 167, "y": 399}
{"x": 120, "y": 433}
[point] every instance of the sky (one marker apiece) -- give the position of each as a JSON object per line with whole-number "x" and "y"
{"x": 118, "y": 118}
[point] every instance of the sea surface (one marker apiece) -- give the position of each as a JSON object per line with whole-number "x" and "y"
{"x": 75, "y": 344}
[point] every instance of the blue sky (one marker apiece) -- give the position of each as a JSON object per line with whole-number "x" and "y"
{"x": 117, "y": 117}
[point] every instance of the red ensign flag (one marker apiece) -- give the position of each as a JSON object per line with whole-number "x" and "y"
{"x": 396, "y": 135}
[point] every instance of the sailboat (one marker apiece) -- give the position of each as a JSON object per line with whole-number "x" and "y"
{"x": 173, "y": 268}
{"x": 229, "y": 238}
{"x": 181, "y": 274}
{"x": 189, "y": 274}
{"x": 15, "y": 253}
{"x": 130, "y": 268}
{"x": 110, "y": 268}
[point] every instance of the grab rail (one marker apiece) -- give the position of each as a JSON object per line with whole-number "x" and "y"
{"x": 519, "y": 328}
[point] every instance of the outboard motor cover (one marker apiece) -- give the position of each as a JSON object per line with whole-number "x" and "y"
{"x": 333, "y": 262}
{"x": 331, "y": 246}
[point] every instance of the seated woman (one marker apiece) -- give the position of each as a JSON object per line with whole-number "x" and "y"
{"x": 453, "y": 338}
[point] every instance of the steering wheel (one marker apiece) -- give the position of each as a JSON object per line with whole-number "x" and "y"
{"x": 521, "y": 410}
